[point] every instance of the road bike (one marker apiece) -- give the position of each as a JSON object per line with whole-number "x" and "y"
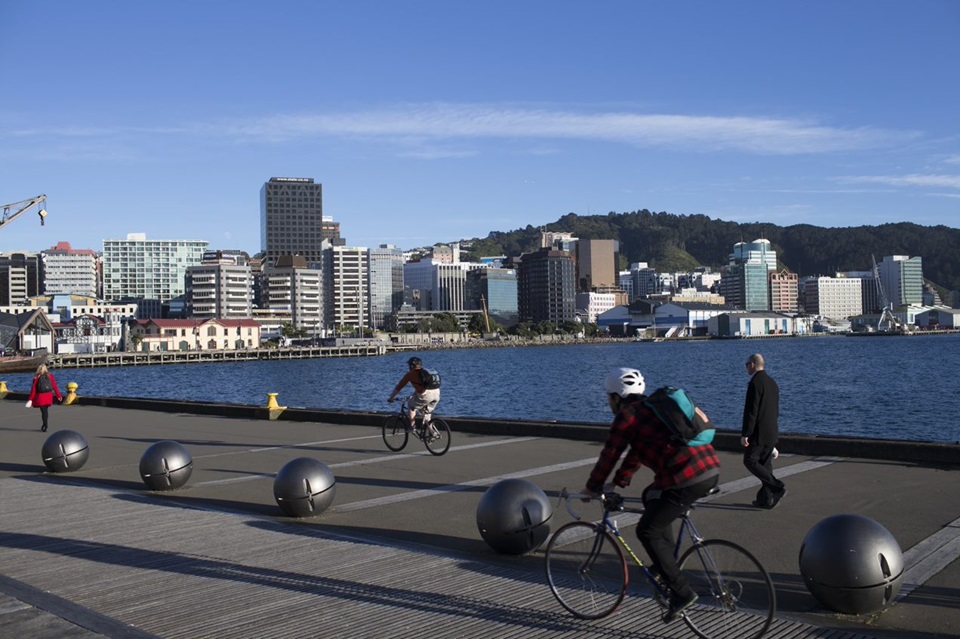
{"x": 587, "y": 572}
{"x": 435, "y": 434}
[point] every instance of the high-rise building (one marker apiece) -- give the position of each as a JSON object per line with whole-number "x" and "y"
{"x": 70, "y": 271}
{"x": 291, "y": 220}
{"x": 902, "y": 279}
{"x": 783, "y": 291}
{"x": 546, "y": 287}
{"x": 597, "y": 265}
{"x": 836, "y": 298}
{"x": 20, "y": 277}
{"x": 386, "y": 283}
{"x": 745, "y": 281}
{"x": 347, "y": 288}
{"x": 291, "y": 288}
{"x": 221, "y": 291}
{"x": 496, "y": 290}
{"x": 138, "y": 268}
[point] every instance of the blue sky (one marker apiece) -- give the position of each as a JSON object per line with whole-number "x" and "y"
{"x": 433, "y": 121}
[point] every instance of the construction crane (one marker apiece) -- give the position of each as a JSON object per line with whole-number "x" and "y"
{"x": 888, "y": 321}
{"x": 16, "y": 209}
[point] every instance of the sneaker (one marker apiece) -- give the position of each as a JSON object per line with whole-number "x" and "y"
{"x": 678, "y": 604}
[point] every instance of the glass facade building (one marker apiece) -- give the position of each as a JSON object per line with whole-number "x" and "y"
{"x": 138, "y": 268}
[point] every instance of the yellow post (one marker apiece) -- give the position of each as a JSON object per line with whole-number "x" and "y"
{"x": 3, "y": 389}
{"x": 71, "y": 393}
{"x": 273, "y": 408}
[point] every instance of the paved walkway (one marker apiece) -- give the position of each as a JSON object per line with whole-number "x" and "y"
{"x": 92, "y": 553}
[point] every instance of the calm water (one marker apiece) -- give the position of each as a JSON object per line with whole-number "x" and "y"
{"x": 886, "y": 387}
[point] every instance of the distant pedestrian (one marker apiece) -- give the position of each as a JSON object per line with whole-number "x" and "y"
{"x": 760, "y": 431}
{"x": 41, "y": 393}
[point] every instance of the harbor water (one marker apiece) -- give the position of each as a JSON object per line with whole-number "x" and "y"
{"x": 878, "y": 387}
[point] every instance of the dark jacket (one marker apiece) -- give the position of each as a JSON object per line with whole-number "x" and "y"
{"x": 761, "y": 410}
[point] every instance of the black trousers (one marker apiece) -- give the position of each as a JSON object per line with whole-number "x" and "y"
{"x": 655, "y": 529}
{"x": 758, "y": 459}
{"x": 44, "y": 414}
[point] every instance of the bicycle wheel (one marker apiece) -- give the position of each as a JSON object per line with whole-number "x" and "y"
{"x": 586, "y": 570}
{"x": 737, "y": 598}
{"x": 438, "y": 443}
{"x": 395, "y": 436}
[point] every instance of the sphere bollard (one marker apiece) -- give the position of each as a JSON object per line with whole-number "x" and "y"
{"x": 166, "y": 465}
{"x": 513, "y": 516}
{"x": 65, "y": 450}
{"x": 304, "y": 487}
{"x": 851, "y": 564}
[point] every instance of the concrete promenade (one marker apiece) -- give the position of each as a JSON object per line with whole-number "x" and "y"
{"x": 92, "y": 553}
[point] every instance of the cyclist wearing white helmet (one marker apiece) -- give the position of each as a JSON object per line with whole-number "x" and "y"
{"x": 424, "y": 398}
{"x": 682, "y": 474}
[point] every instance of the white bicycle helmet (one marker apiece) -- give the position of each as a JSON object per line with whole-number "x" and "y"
{"x": 624, "y": 382}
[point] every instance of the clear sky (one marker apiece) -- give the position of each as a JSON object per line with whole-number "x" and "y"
{"x": 438, "y": 120}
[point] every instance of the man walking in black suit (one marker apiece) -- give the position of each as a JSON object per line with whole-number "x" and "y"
{"x": 760, "y": 431}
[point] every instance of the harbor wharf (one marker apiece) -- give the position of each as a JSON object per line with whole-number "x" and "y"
{"x": 93, "y": 553}
{"x": 135, "y": 358}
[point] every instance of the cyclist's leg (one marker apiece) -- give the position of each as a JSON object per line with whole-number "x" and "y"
{"x": 430, "y": 398}
{"x": 412, "y": 406}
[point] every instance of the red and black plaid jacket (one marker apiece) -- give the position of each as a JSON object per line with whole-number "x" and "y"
{"x": 674, "y": 464}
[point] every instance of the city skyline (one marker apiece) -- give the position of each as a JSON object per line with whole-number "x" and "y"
{"x": 431, "y": 122}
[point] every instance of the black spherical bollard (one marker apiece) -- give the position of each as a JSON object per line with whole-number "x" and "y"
{"x": 304, "y": 487}
{"x": 166, "y": 465}
{"x": 851, "y": 564}
{"x": 513, "y": 516}
{"x": 65, "y": 450}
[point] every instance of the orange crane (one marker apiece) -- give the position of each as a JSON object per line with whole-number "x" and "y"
{"x": 16, "y": 209}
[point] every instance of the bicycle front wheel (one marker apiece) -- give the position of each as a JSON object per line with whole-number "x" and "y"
{"x": 586, "y": 570}
{"x": 737, "y": 598}
{"x": 437, "y": 441}
{"x": 394, "y": 434}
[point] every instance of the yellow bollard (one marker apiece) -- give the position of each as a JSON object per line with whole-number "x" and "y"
{"x": 71, "y": 393}
{"x": 3, "y": 389}
{"x": 273, "y": 408}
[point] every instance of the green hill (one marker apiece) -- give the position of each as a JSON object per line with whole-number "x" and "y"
{"x": 680, "y": 242}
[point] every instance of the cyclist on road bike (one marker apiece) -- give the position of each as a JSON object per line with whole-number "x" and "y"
{"x": 682, "y": 474}
{"x": 423, "y": 399}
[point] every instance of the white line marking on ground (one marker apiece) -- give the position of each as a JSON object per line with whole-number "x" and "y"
{"x": 929, "y": 557}
{"x": 373, "y": 460}
{"x": 486, "y": 481}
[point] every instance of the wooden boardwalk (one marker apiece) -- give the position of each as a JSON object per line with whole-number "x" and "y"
{"x": 179, "y": 572}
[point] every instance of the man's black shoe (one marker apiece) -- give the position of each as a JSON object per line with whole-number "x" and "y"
{"x": 677, "y": 605}
{"x": 776, "y": 500}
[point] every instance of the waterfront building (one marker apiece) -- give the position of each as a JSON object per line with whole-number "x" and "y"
{"x": 869, "y": 291}
{"x": 745, "y": 281}
{"x": 26, "y": 331}
{"x": 597, "y": 264}
{"x": 435, "y": 285}
{"x": 20, "y": 277}
{"x": 754, "y": 324}
{"x": 835, "y": 298}
{"x": 68, "y": 306}
{"x": 591, "y": 305}
{"x": 783, "y": 291}
{"x": 292, "y": 221}
{"x": 67, "y": 270}
{"x": 84, "y": 333}
{"x": 153, "y": 335}
{"x": 346, "y": 288}
{"x": 901, "y": 277}
{"x": 546, "y": 287}
{"x": 385, "y": 275}
{"x": 292, "y": 289}
{"x": 219, "y": 290}
{"x": 407, "y": 317}
{"x": 495, "y": 289}
{"x": 418, "y": 283}
{"x": 138, "y": 268}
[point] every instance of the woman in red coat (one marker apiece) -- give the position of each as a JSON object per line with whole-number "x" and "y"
{"x": 42, "y": 391}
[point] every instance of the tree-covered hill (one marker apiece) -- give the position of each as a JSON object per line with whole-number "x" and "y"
{"x": 681, "y": 242}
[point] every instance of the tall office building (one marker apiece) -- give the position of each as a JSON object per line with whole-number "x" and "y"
{"x": 138, "y": 268}
{"x": 597, "y": 265}
{"x": 20, "y": 277}
{"x": 495, "y": 289}
{"x": 546, "y": 287}
{"x": 70, "y": 271}
{"x": 783, "y": 291}
{"x": 291, "y": 289}
{"x": 346, "y": 273}
{"x": 219, "y": 290}
{"x": 291, "y": 220}
{"x": 385, "y": 264}
{"x": 745, "y": 282}
{"x": 902, "y": 279}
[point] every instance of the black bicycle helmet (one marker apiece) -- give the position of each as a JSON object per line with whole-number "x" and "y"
{"x": 414, "y": 361}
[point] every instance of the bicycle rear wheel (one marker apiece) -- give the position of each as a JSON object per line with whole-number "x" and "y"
{"x": 439, "y": 442}
{"x": 586, "y": 570}
{"x": 395, "y": 436}
{"x": 737, "y": 598}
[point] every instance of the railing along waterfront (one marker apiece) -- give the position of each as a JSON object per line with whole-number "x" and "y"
{"x": 124, "y": 358}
